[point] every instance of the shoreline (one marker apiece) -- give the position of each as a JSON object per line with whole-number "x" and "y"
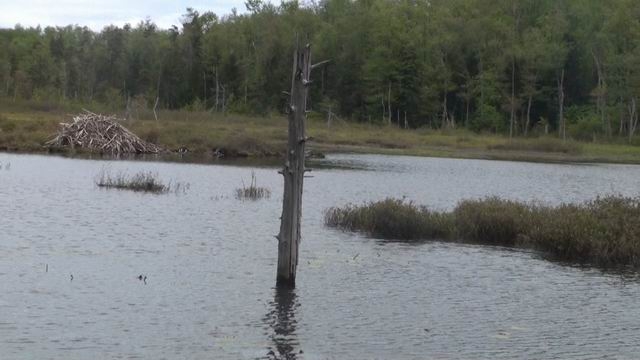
{"x": 25, "y": 131}
{"x": 320, "y": 150}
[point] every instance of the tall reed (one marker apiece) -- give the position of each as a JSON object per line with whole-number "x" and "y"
{"x": 253, "y": 191}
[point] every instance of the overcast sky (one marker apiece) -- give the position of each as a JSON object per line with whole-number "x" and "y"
{"x": 96, "y": 14}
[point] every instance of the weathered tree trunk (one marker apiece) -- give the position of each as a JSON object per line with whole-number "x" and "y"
{"x": 623, "y": 124}
{"x": 64, "y": 80}
{"x": 516, "y": 23}
{"x": 633, "y": 117}
{"x": 245, "y": 91}
{"x": 513, "y": 96}
{"x": 293, "y": 172}
{"x": 562, "y": 128}
{"x": 223, "y": 99}
{"x": 389, "y": 107}
{"x": 466, "y": 114}
{"x": 528, "y": 120}
{"x": 217, "y": 89}
{"x": 204, "y": 86}
{"x": 601, "y": 98}
{"x": 481, "y": 75}
{"x": 155, "y": 106}
{"x": 127, "y": 113}
{"x": 445, "y": 114}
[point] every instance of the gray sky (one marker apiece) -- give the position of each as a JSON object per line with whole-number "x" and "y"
{"x": 98, "y": 13}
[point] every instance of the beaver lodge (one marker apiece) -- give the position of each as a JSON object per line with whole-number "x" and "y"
{"x": 102, "y": 134}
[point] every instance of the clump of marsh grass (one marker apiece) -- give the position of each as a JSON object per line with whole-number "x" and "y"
{"x": 141, "y": 181}
{"x": 253, "y": 191}
{"x": 492, "y": 220}
{"x": 391, "y": 219}
{"x": 603, "y": 232}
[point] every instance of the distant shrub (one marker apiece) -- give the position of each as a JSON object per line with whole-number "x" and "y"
{"x": 6, "y": 124}
{"x": 587, "y": 128}
{"x": 151, "y": 135}
{"x": 544, "y": 144}
{"x": 488, "y": 117}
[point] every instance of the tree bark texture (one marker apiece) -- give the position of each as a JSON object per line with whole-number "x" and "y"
{"x": 293, "y": 172}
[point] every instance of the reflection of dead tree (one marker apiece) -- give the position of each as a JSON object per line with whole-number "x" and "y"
{"x": 281, "y": 325}
{"x": 101, "y": 134}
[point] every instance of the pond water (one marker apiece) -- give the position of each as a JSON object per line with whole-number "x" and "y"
{"x": 71, "y": 254}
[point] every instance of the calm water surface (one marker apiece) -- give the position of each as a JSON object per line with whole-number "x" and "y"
{"x": 210, "y": 263}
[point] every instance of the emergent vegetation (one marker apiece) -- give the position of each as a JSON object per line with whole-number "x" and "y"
{"x": 518, "y": 67}
{"x": 603, "y": 232}
{"x": 142, "y": 181}
{"x": 253, "y": 191}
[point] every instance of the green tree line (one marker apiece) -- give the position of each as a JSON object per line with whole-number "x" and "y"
{"x": 515, "y": 67}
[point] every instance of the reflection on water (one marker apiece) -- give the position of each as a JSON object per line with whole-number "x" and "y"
{"x": 281, "y": 324}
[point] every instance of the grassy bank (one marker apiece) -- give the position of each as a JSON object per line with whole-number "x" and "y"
{"x": 603, "y": 232}
{"x": 25, "y": 126}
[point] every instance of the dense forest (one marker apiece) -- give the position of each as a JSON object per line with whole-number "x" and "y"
{"x": 516, "y": 67}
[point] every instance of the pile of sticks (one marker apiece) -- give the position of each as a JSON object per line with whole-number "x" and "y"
{"x": 99, "y": 133}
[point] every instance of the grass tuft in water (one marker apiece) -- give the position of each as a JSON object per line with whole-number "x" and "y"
{"x": 603, "y": 232}
{"x": 252, "y": 192}
{"x": 492, "y": 220}
{"x": 391, "y": 219}
{"x": 142, "y": 181}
